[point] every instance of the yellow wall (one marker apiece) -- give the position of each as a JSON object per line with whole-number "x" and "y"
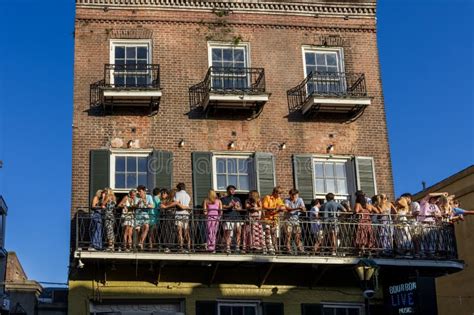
{"x": 455, "y": 292}
{"x": 81, "y": 292}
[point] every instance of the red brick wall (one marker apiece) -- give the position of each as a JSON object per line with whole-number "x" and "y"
{"x": 180, "y": 47}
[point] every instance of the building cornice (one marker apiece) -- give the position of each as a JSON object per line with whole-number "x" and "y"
{"x": 358, "y": 10}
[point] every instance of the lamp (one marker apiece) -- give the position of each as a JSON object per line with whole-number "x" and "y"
{"x": 365, "y": 270}
{"x": 181, "y": 143}
{"x": 80, "y": 264}
{"x": 231, "y": 145}
{"x": 330, "y": 148}
{"x": 283, "y": 146}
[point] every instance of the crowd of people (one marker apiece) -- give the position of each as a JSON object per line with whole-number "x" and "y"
{"x": 164, "y": 220}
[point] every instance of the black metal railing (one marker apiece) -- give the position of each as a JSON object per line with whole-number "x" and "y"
{"x": 348, "y": 234}
{"x": 228, "y": 80}
{"x": 327, "y": 84}
{"x": 125, "y": 76}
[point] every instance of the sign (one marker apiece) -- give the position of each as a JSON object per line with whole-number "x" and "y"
{"x": 402, "y": 297}
{"x": 410, "y": 295}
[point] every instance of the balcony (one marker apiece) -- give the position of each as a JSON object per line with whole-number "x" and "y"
{"x": 330, "y": 94}
{"x": 127, "y": 86}
{"x": 230, "y": 88}
{"x": 393, "y": 243}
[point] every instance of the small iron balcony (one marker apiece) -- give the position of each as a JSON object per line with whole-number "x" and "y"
{"x": 336, "y": 94}
{"x": 234, "y": 88}
{"x": 127, "y": 85}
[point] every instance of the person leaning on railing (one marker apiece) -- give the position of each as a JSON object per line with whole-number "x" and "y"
{"x": 385, "y": 230}
{"x": 272, "y": 205}
{"x": 316, "y": 228}
{"x": 232, "y": 217}
{"x": 143, "y": 202}
{"x": 212, "y": 211}
{"x": 128, "y": 219}
{"x": 167, "y": 228}
{"x": 331, "y": 208}
{"x": 109, "y": 218}
{"x": 97, "y": 207}
{"x": 365, "y": 239}
{"x": 294, "y": 206}
{"x": 253, "y": 231}
{"x": 182, "y": 213}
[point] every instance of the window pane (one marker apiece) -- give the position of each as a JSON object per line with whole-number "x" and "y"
{"x": 232, "y": 180}
{"x": 320, "y": 60}
{"x": 353, "y": 311}
{"x": 239, "y": 55}
{"x": 220, "y": 165}
{"x": 142, "y": 52}
{"x": 341, "y": 187}
{"x": 225, "y": 310}
{"x": 131, "y": 180}
{"x": 250, "y": 310}
{"x": 221, "y": 184}
{"x": 309, "y": 58}
{"x": 243, "y": 166}
{"x": 237, "y": 310}
{"x": 216, "y": 54}
{"x": 244, "y": 182}
{"x": 320, "y": 186}
{"x": 120, "y": 180}
{"x": 120, "y": 164}
{"x": 319, "y": 170}
{"x": 330, "y": 186}
{"x": 340, "y": 311}
{"x": 142, "y": 179}
{"x": 131, "y": 52}
{"x": 328, "y": 170}
{"x": 340, "y": 170}
{"x": 119, "y": 52}
{"x": 142, "y": 164}
{"x": 331, "y": 59}
{"x": 328, "y": 311}
{"x": 131, "y": 164}
{"x": 231, "y": 166}
{"x": 228, "y": 54}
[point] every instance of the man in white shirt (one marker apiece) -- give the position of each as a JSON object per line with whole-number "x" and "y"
{"x": 182, "y": 216}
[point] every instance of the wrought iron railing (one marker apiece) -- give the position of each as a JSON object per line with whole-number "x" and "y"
{"x": 327, "y": 84}
{"x": 346, "y": 235}
{"x": 227, "y": 80}
{"x": 125, "y": 76}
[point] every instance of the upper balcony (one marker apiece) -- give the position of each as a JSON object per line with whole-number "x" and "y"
{"x": 230, "y": 88}
{"x": 127, "y": 86}
{"x": 330, "y": 94}
{"x": 391, "y": 242}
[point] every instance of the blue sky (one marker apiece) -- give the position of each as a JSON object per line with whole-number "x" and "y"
{"x": 426, "y": 51}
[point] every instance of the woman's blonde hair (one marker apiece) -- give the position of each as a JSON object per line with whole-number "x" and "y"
{"x": 109, "y": 194}
{"x": 253, "y": 194}
{"x": 212, "y": 196}
{"x": 98, "y": 193}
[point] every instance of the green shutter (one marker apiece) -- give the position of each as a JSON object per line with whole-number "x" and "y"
{"x": 202, "y": 176}
{"x": 304, "y": 176}
{"x": 160, "y": 170}
{"x": 311, "y": 309}
{"x": 273, "y": 308}
{"x": 365, "y": 175}
{"x": 265, "y": 172}
{"x": 99, "y": 171}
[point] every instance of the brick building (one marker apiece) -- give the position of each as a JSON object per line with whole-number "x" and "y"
{"x": 247, "y": 93}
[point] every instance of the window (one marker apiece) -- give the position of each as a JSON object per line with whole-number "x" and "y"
{"x": 330, "y": 176}
{"x": 229, "y": 63}
{"x": 130, "y": 60}
{"x": 327, "y": 68}
{"x": 128, "y": 171}
{"x": 232, "y": 170}
{"x": 342, "y": 309}
{"x": 237, "y": 308}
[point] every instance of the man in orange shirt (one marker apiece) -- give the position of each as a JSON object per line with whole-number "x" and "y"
{"x": 272, "y": 206}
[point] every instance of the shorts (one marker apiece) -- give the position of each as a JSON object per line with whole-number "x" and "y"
{"x": 141, "y": 218}
{"x": 292, "y": 226}
{"x": 182, "y": 221}
{"x": 154, "y": 217}
{"x": 232, "y": 225}
{"x": 127, "y": 219}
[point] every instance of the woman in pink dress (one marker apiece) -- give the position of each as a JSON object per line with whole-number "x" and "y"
{"x": 212, "y": 211}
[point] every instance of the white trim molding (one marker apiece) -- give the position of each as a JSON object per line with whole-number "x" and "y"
{"x": 358, "y": 10}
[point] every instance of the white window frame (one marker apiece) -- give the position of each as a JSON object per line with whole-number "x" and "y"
{"x": 231, "y": 156}
{"x": 128, "y": 43}
{"x": 214, "y": 44}
{"x": 357, "y": 306}
{"x": 239, "y": 303}
{"x": 345, "y": 160}
{"x": 314, "y": 49}
{"x": 114, "y": 154}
